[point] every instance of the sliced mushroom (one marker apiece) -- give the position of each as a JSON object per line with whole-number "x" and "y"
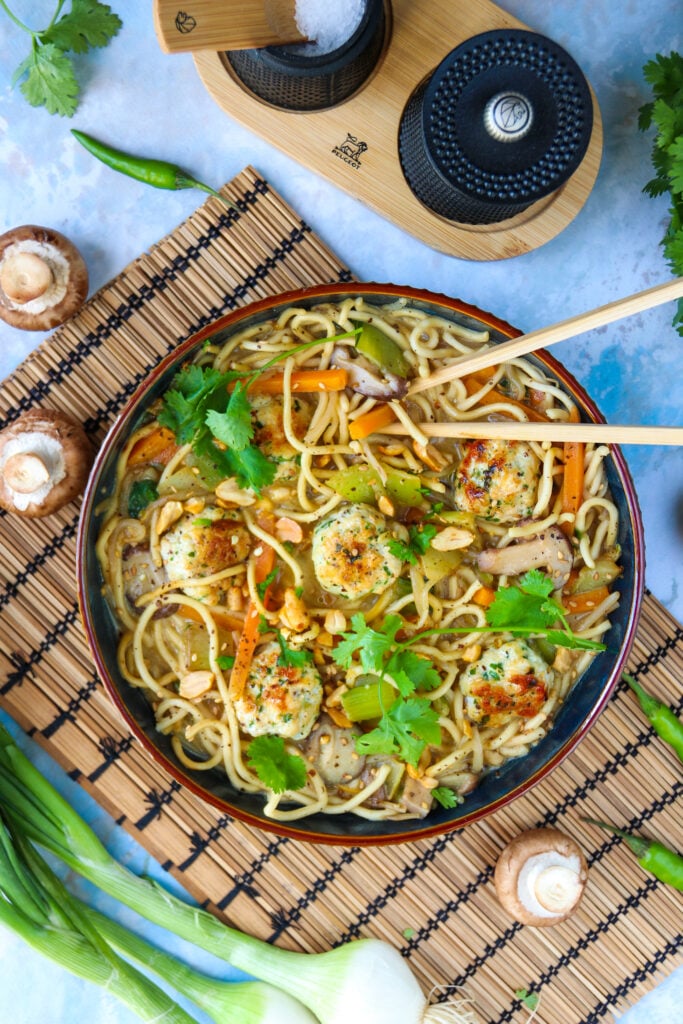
{"x": 416, "y": 797}
{"x": 368, "y": 379}
{"x": 141, "y": 575}
{"x": 43, "y": 278}
{"x": 45, "y": 459}
{"x": 540, "y": 877}
{"x": 332, "y": 752}
{"x": 549, "y": 549}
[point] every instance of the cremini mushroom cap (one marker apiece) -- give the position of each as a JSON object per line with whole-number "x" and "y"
{"x": 540, "y": 877}
{"x": 43, "y": 278}
{"x": 45, "y": 459}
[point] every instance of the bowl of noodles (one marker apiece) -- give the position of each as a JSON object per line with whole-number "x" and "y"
{"x": 322, "y": 616}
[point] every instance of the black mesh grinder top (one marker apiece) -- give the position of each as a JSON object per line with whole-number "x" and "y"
{"x": 286, "y": 77}
{"x": 503, "y": 121}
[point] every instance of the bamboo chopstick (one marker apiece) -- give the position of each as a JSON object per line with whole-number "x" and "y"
{"x": 516, "y": 430}
{"x": 547, "y": 336}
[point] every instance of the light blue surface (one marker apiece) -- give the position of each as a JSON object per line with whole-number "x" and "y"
{"x": 147, "y": 102}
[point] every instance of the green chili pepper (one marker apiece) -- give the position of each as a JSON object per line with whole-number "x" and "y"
{"x": 158, "y": 173}
{"x": 660, "y": 715}
{"x": 659, "y": 860}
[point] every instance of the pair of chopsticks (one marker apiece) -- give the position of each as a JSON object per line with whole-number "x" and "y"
{"x": 606, "y": 433}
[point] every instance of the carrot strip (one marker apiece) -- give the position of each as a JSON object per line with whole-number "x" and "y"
{"x": 572, "y": 486}
{"x": 371, "y": 422}
{"x": 484, "y": 596}
{"x": 264, "y": 563}
{"x": 576, "y": 604}
{"x": 223, "y": 618}
{"x": 474, "y": 381}
{"x": 305, "y": 381}
{"x": 158, "y": 446}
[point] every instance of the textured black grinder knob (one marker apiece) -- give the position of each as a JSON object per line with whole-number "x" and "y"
{"x": 502, "y": 122}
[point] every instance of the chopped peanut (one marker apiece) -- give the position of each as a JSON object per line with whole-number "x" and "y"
{"x": 335, "y": 621}
{"x": 194, "y": 505}
{"x": 384, "y": 504}
{"x": 339, "y": 718}
{"x": 293, "y": 614}
{"x": 235, "y": 599}
{"x": 196, "y": 684}
{"x": 471, "y": 653}
{"x": 452, "y": 538}
{"x": 288, "y": 529}
{"x": 170, "y": 513}
{"x": 430, "y": 455}
{"x": 230, "y": 492}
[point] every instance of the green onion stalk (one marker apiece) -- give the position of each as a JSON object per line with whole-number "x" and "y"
{"x": 35, "y": 905}
{"x": 366, "y": 979}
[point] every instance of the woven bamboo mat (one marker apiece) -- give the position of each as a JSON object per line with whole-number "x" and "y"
{"x": 433, "y": 899}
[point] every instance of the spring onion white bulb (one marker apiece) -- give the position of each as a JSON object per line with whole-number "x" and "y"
{"x": 367, "y": 980}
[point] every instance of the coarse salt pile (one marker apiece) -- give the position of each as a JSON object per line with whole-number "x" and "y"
{"x": 328, "y": 25}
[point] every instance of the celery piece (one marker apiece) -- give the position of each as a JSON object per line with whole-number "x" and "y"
{"x": 380, "y": 349}
{"x": 369, "y": 698}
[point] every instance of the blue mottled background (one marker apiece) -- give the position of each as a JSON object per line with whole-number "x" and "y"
{"x": 144, "y": 101}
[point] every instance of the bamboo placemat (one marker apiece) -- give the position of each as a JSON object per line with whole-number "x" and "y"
{"x": 433, "y": 899}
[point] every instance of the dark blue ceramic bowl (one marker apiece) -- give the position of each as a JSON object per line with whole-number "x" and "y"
{"x": 498, "y": 787}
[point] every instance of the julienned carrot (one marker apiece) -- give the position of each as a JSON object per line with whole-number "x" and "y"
{"x": 484, "y": 596}
{"x": 264, "y": 563}
{"x": 304, "y": 381}
{"x": 475, "y": 381}
{"x": 371, "y": 422}
{"x": 572, "y": 486}
{"x": 158, "y": 446}
{"x": 576, "y": 604}
{"x": 223, "y": 617}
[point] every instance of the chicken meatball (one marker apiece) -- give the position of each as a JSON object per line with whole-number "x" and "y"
{"x": 352, "y": 553}
{"x": 507, "y": 681}
{"x": 279, "y": 700}
{"x": 497, "y": 480}
{"x": 200, "y": 545}
{"x": 269, "y": 431}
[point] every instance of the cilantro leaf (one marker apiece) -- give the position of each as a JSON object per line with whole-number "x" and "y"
{"x": 276, "y": 769}
{"x": 51, "y": 81}
{"x": 233, "y": 427}
{"x": 419, "y": 539}
{"x": 290, "y": 658}
{"x": 529, "y": 999}
{"x": 371, "y": 644}
{"x": 412, "y": 672}
{"x": 446, "y": 796}
{"x": 186, "y": 403}
{"x": 404, "y": 731}
{"x": 88, "y": 23}
{"x": 262, "y": 587}
{"x": 225, "y": 662}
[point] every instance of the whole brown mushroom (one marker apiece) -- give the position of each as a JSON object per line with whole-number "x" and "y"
{"x": 45, "y": 459}
{"x": 540, "y": 877}
{"x": 43, "y": 278}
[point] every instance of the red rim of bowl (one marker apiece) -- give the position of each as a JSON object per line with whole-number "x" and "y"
{"x": 262, "y": 307}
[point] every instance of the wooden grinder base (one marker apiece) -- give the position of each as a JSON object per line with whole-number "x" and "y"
{"x": 419, "y": 36}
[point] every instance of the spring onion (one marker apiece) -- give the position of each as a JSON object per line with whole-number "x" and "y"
{"x": 366, "y": 979}
{"x": 35, "y": 905}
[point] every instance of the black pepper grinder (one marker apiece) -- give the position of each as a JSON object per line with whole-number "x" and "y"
{"x": 502, "y": 122}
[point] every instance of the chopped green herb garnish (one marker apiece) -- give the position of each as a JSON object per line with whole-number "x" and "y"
{"x": 290, "y": 658}
{"x": 529, "y": 999}
{"x": 262, "y": 587}
{"x": 225, "y": 662}
{"x": 446, "y": 797}
{"x": 276, "y": 769}
{"x": 419, "y": 539}
{"x": 408, "y": 933}
{"x": 142, "y": 493}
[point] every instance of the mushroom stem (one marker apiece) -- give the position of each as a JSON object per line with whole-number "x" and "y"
{"x": 25, "y": 276}
{"x": 25, "y": 472}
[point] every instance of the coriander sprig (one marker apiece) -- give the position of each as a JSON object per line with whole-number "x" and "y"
{"x": 665, "y": 113}
{"x": 47, "y": 75}
{"x": 200, "y": 409}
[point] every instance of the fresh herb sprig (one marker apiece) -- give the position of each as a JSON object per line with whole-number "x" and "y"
{"x": 419, "y": 539}
{"x": 204, "y": 406}
{"x": 665, "y": 113}
{"x": 47, "y": 75}
{"x": 276, "y": 769}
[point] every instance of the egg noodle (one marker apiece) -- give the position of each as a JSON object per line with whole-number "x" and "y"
{"x": 420, "y": 534}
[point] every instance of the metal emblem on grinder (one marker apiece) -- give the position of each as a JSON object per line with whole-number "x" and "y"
{"x": 508, "y": 116}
